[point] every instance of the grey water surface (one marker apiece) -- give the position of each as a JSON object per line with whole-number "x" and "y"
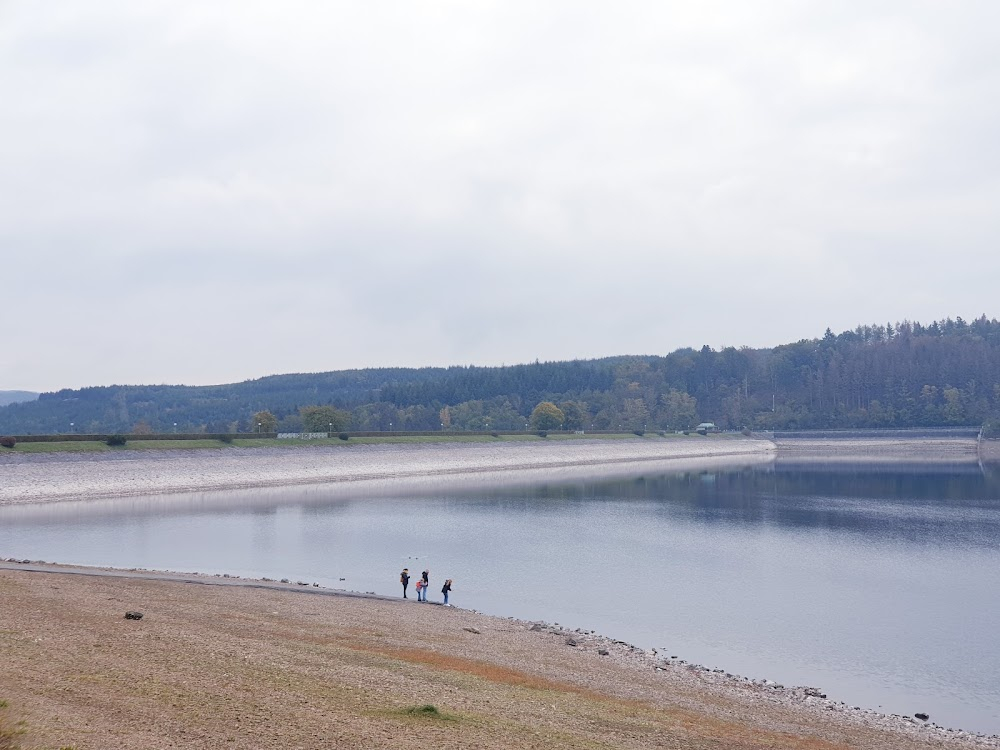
{"x": 878, "y": 585}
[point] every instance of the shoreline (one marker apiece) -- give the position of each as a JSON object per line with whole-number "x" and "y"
{"x": 868, "y": 450}
{"x": 379, "y": 468}
{"x": 797, "y": 716}
{"x": 42, "y": 478}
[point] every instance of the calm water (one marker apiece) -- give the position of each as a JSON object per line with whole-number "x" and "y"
{"x": 880, "y": 587}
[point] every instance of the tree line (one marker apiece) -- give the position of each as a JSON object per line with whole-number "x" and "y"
{"x": 902, "y": 374}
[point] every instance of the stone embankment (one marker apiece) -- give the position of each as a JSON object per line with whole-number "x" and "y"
{"x": 861, "y": 450}
{"x": 26, "y": 478}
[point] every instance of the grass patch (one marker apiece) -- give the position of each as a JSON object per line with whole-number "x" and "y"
{"x": 427, "y": 711}
{"x": 8, "y": 735}
{"x": 70, "y": 446}
{"x": 96, "y": 446}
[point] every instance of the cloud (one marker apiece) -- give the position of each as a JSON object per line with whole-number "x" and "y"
{"x": 315, "y": 186}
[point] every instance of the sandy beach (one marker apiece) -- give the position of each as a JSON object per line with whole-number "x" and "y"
{"x": 32, "y": 478}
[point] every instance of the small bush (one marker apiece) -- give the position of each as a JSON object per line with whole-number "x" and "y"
{"x": 227, "y": 439}
{"x": 7, "y": 441}
{"x": 116, "y": 440}
{"x": 344, "y": 436}
{"x": 543, "y": 433}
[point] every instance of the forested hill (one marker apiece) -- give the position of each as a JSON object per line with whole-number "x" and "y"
{"x": 16, "y": 397}
{"x": 902, "y": 375}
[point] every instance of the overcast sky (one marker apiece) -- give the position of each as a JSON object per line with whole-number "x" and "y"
{"x": 205, "y": 192}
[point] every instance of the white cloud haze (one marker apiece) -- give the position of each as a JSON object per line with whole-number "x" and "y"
{"x": 208, "y": 192}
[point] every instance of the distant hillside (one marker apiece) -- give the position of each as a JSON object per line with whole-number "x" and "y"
{"x": 903, "y": 375}
{"x": 16, "y": 397}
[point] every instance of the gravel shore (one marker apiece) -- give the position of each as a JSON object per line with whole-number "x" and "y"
{"x": 257, "y": 664}
{"x": 27, "y": 478}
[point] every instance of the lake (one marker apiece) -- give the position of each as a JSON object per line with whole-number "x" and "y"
{"x": 879, "y": 585}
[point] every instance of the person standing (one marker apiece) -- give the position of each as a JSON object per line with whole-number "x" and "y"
{"x": 445, "y": 589}
{"x": 404, "y": 578}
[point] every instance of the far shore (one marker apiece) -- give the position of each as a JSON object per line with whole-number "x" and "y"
{"x": 380, "y": 466}
{"x": 47, "y": 477}
{"x": 866, "y": 450}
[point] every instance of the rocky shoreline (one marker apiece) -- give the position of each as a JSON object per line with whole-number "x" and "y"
{"x": 765, "y": 690}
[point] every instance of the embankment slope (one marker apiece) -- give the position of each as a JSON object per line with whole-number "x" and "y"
{"x": 26, "y": 478}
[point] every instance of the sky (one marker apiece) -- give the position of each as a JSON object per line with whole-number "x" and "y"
{"x": 206, "y": 192}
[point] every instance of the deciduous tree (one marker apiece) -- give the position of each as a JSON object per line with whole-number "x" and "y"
{"x": 324, "y": 419}
{"x": 575, "y": 415}
{"x": 266, "y": 421}
{"x": 547, "y": 416}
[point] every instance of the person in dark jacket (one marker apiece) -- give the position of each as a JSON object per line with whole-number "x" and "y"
{"x": 445, "y": 589}
{"x": 404, "y": 578}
